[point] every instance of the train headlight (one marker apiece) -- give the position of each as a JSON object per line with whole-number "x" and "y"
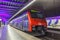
{"x": 39, "y": 23}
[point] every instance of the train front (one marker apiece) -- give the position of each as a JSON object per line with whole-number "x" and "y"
{"x": 38, "y": 22}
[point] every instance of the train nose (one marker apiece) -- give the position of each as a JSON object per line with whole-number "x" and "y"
{"x": 41, "y": 30}
{"x": 36, "y": 28}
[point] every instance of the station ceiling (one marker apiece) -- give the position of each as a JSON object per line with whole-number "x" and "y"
{"x": 9, "y": 7}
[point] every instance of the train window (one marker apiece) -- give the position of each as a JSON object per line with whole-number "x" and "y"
{"x": 40, "y": 15}
{"x": 16, "y": 24}
{"x": 25, "y": 17}
{"x": 36, "y": 15}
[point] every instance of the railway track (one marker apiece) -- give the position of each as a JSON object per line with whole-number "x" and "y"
{"x": 45, "y": 38}
{"x": 51, "y": 35}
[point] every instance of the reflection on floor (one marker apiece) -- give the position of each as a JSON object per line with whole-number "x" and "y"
{"x": 4, "y": 33}
{"x": 9, "y": 33}
{"x": 0, "y": 32}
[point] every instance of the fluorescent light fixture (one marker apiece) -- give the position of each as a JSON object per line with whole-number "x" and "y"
{"x": 22, "y": 9}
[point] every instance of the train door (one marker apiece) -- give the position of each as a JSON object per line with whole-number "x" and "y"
{"x": 25, "y": 23}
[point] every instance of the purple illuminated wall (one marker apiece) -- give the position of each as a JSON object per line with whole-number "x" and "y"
{"x": 9, "y": 7}
{"x": 53, "y": 20}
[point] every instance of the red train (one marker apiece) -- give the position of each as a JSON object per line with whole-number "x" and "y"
{"x": 32, "y": 21}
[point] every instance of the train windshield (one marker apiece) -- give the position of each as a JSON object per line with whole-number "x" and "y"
{"x": 36, "y": 15}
